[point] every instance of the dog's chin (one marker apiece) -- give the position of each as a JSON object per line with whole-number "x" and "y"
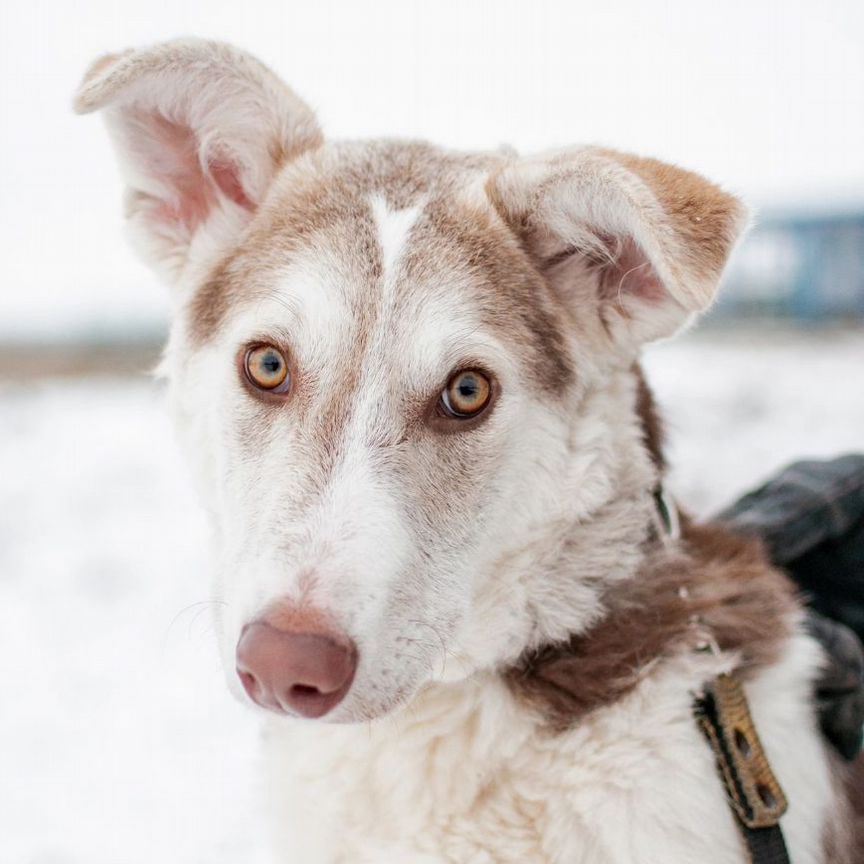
{"x": 365, "y": 712}
{"x": 366, "y": 705}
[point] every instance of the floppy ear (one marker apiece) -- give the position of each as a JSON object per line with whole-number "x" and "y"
{"x": 643, "y": 242}
{"x": 200, "y": 130}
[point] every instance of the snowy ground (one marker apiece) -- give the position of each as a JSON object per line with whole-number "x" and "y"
{"x": 118, "y": 742}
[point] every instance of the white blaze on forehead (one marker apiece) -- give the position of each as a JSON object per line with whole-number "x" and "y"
{"x": 394, "y": 227}
{"x": 442, "y": 326}
{"x": 308, "y": 299}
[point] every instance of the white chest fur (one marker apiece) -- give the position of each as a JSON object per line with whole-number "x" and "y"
{"x": 466, "y": 775}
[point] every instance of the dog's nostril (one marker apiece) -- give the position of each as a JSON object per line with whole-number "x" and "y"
{"x": 251, "y": 685}
{"x": 302, "y": 690}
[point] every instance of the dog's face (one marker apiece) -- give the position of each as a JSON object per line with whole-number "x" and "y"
{"x": 402, "y": 375}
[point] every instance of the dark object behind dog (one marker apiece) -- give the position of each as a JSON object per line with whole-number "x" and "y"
{"x": 811, "y": 519}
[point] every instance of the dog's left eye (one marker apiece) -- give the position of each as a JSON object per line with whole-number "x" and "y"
{"x": 267, "y": 368}
{"x": 467, "y": 393}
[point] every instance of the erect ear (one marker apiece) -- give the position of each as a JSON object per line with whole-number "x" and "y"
{"x": 200, "y": 129}
{"x": 643, "y": 242}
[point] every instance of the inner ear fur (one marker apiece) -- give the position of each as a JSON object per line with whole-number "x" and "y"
{"x": 656, "y": 237}
{"x": 200, "y": 129}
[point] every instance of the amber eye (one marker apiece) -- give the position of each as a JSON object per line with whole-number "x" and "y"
{"x": 467, "y": 393}
{"x": 267, "y": 368}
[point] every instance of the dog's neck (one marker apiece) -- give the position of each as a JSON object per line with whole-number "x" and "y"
{"x": 594, "y": 535}
{"x": 636, "y": 593}
{"x": 711, "y": 593}
{"x": 607, "y": 547}
{"x": 694, "y": 589}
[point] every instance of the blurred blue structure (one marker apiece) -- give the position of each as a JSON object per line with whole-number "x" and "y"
{"x": 806, "y": 267}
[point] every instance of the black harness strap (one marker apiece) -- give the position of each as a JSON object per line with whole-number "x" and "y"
{"x": 755, "y": 796}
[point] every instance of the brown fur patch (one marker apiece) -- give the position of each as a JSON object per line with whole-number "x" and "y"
{"x": 210, "y": 304}
{"x": 843, "y": 841}
{"x": 719, "y": 588}
{"x": 703, "y": 216}
{"x": 854, "y": 789}
{"x": 512, "y": 298}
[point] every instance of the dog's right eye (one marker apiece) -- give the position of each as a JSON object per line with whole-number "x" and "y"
{"x": 267, "y": 369}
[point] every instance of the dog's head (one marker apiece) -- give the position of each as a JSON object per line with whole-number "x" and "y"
{"x": 404, "y": 375}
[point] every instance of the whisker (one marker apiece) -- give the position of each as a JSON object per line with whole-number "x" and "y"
{"x": 200, "y": 607}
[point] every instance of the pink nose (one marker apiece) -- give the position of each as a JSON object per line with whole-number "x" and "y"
{"x": 295, "y": 673}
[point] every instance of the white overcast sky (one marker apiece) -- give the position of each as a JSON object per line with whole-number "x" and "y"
{"x": 766, "y": 97}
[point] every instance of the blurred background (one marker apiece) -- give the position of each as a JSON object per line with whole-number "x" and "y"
{"x": 118, "y": 742}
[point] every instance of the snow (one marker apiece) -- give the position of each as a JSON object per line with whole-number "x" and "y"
{"x": 739, "y": 405}
{"x": 118, "y": 741}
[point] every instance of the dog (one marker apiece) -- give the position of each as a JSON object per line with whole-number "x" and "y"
{"x": 407, "y": 380}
